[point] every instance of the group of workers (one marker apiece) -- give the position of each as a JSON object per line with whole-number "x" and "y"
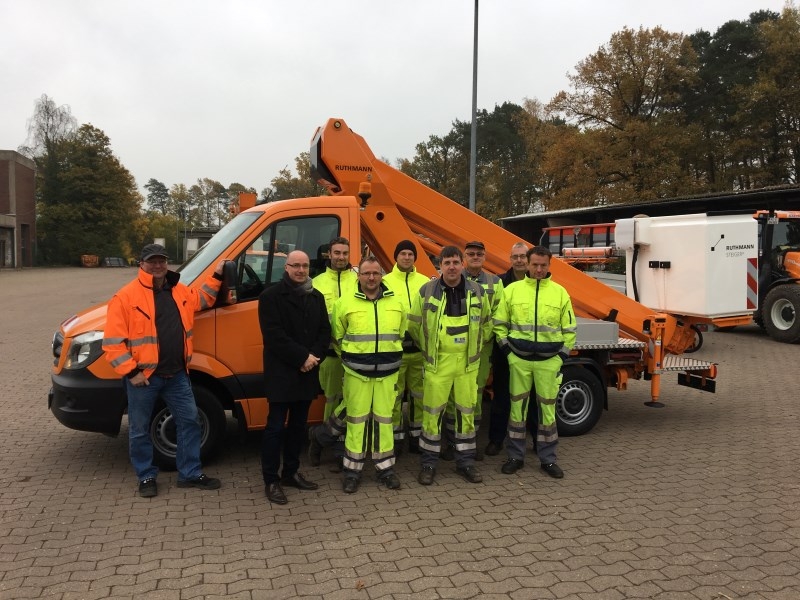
{"x": 433, "y": 342}
{"x": 370, "y": 341}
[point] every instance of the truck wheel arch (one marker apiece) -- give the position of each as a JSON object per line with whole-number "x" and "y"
{"x": 580, "y": 401}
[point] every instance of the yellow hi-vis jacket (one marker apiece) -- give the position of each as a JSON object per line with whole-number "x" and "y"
{"x": 426, "y": 316}
{"x": 493, "y": 286}
{"x": 369, "y": 333}
{"x": 406, "y": 287}
{"x": 333, "y": 285}
{"x": 491, "y": 283}
{"x": 535, "y": 320}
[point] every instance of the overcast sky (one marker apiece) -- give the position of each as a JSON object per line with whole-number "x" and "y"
{"x": 233, "y": 90}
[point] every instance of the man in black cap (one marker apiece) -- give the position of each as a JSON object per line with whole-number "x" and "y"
{"x": 148, "y": 341}
{"x": 404, "y": 280}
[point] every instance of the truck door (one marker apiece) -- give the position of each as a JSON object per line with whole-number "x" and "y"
{"x": 261, "y": 265}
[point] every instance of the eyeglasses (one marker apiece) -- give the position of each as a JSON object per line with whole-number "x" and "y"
{"x": 471, "y": 254}
{"x": 304, "y": 266}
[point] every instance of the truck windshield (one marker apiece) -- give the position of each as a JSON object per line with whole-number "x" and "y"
{"x": 213, "y": 248}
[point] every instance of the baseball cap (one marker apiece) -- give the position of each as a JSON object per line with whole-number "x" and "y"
{"x": 152, "y": 250}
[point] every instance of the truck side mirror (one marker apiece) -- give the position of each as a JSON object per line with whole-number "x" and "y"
{"x": 227, "y": 291}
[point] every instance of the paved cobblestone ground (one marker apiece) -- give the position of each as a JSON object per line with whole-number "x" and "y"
{"x": 700, "y": 500}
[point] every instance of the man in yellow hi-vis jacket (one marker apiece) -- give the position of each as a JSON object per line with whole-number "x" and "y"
{"x": 404, "y": 280}
{"x": 368, "y": 328}
{"x": 535, "y": 327}
{"x": 449, "y": 321}
{"x": 336, "y": 281}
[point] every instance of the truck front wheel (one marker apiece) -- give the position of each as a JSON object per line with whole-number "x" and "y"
{"x": 164, "y": 435}
{"x": 580, "y": 401}
{"x": 781, "y": 313}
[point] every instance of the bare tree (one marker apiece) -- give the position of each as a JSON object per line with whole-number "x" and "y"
{"x": 49, "y": 125}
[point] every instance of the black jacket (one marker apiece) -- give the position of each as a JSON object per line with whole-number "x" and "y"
{"x": 293, "y": 326}
{"x": 508, "y": 278}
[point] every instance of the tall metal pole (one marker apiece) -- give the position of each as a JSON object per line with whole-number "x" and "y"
{"x": 473, "y": 138}
{"x": 177, "y": 237}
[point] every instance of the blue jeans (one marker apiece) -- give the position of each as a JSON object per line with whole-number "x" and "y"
{"x": 176, "y": 392}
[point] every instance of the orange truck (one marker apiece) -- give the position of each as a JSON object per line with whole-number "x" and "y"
{"x": 375, "y": 206}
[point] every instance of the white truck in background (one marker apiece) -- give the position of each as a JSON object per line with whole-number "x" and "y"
{"x": 712, "y": 270}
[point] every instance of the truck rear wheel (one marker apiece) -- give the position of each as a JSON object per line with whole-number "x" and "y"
{"x": 781, "y": 313}
{"x": 580, "y": 401}
{"x": 163, "y": 432}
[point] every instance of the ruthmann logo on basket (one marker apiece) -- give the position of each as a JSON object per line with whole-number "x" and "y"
{"x": 741, "y": 247}
{"x": 364, "y": 169}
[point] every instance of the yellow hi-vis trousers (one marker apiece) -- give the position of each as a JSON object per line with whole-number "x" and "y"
{"x": 451, "y": 376}
{"x": 544, "y": 374}
{"x": 409, "y": 378}
{"x": 368, "y": 408}
{"x": 331, "y": 374}
{"x": 482, "y": 378}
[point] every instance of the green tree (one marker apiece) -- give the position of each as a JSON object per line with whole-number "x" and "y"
{"x": 93, "y": 205}
{"x": 715, "y": 102}
{"x": 503, "y": 174}
{"x": 48, "y": 129}
{"x": 286, "y": 185}
{"x": 157, "y": 196}
{"x": 442, "y": 163}
{"x": 180, "y": 204}
{"x": 557, "y": 160}
{"x": 505, "y": 183}
{"x": 771, "y": 107}
{"x": 206, "y": 196}
{"x": 625, "y": 104}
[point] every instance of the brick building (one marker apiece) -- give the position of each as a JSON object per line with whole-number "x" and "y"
{"x": 17, "y": 210}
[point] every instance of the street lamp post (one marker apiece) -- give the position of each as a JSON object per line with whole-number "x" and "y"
{"x": 473, "y": 138}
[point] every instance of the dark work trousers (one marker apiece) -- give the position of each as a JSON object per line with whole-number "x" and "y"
{"x": 283, "y": 437}
{"x": 501, "y": 401}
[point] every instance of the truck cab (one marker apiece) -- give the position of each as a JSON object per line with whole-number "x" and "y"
{"x": 226, "y": 367}
{"x": 779, "y": 274}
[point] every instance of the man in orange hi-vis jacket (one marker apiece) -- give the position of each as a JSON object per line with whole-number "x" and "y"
{"x": 148, "y": 340}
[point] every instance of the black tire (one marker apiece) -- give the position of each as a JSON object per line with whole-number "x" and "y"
{"x": 781, "y": 313}
{"x": 698, "y": 341}
{"x": 580, "y": 401}
{"x": 163, "y": 433}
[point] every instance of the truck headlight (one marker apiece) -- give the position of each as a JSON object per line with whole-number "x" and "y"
{"x": 84, "y": 350}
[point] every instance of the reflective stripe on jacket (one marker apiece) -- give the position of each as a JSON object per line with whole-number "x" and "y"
{"x": 370, "y": 333}
{"x": 424, "y": 321}
{"x": 492, "y": 284}
{"x": 130, "y": 340}
{"x": 406, "y": 287}
{"x": 535, "y": 320}
{"x": 333, "y": 285}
